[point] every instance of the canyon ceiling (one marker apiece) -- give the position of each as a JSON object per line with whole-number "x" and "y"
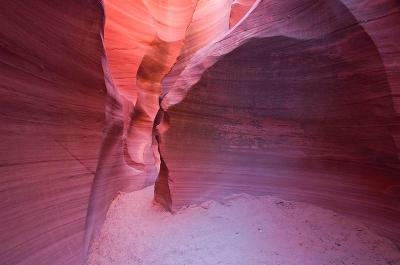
{"x": 295, "y": 98}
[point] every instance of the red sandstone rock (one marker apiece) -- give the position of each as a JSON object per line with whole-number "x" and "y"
{"x": 295, "y": 101}
{"x": 52, "y": 97}
{"x": 298, "y": 98}
{"x": 239, "y": 10}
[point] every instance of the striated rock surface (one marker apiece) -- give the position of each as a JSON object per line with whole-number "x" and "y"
{"x": 293, "y": 98}
{"x": 299, "y": 100}
{"x": 76, "y": 126}
{"x": 239, "y": 9}
{"x": 52, "y": 98}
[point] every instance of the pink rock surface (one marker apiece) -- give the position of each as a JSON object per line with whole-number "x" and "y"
{"x": 52, "y": 97}
{"x": 294, "y": 98}
{"x": 294, "y": 104}
{"x": 239, "y": 10}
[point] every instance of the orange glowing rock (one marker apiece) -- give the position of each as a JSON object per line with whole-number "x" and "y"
{"x": 239, "y": 9}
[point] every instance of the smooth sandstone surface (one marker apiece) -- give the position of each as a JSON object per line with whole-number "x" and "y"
{"x": 52, "y": 98}
{"x": 291, "y": 103}
{"x": 299, "y": 99}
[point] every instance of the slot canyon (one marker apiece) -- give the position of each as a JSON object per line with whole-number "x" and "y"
{"x": 179, "y": 132}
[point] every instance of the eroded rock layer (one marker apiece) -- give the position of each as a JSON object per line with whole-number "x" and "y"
{"x": 294, "y": 98}
{"x": 52, "y": 98}
{"x": 295, "y": 101}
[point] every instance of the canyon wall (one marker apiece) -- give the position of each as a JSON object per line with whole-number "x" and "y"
{"x": 52, "y": 96}
{"x": 298, "y": 99}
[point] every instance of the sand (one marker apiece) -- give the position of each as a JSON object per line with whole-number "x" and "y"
{"x": 243, "y": 230}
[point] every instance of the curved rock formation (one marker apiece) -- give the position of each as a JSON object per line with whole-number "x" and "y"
{"x": 52, "y": 117}
{"x": 309, "y": 115}
{"x": 298, "y": 99}
{"x": 239, "y": 10}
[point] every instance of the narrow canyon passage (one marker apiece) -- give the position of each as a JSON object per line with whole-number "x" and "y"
{"x": 128, "y": 125}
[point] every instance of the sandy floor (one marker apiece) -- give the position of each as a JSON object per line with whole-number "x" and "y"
{"x": 244, "y": 230}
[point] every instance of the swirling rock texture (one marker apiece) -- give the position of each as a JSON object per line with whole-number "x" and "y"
{"x": 52, "y": 97}
{"x": 298, "y": 99}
